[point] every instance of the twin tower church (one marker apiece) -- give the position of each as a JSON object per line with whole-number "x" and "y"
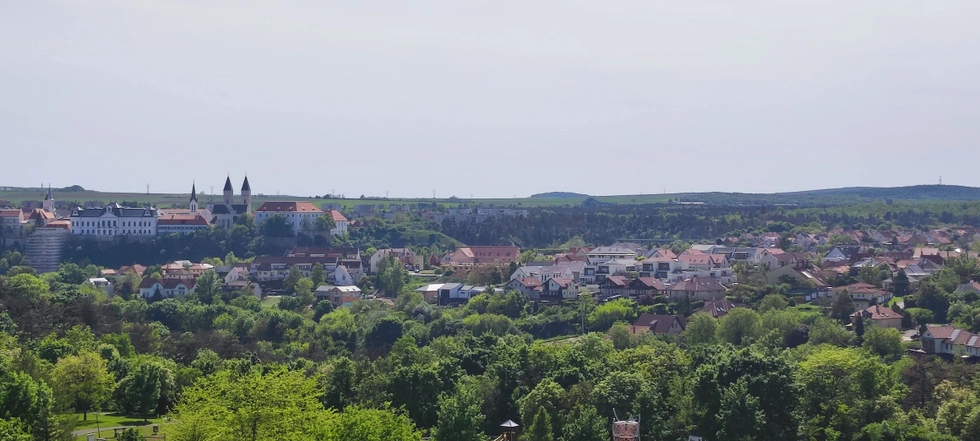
{"x": 223, "y": 215}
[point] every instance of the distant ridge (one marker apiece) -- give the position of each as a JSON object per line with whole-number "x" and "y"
{"x": 559, "y": 195}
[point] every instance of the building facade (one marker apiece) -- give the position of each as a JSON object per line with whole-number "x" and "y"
{"x": 114, "y": 220}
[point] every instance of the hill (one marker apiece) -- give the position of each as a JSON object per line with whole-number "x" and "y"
{"x": 819, "y": 197}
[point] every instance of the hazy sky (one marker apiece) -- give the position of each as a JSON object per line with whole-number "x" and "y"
{"x": 490, "y": 98}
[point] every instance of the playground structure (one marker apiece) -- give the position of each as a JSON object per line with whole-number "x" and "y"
{"x": 625, "y": 430}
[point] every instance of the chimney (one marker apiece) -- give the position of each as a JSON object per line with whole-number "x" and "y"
{"x": 877, "y": 310}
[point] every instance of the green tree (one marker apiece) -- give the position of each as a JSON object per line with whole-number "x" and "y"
{"x": 304, "y": 291}
{"x": 141, "y": 390}
{"x": 773, "y": 301}
{"x": 540, "y": 429}
{"x": 325, "y": 224}
{"x": 585, "y": 424}
{"x": 130, "y": 434}
{"x": 71, "y": 273}
{"x": 82, "y": 380}
{"x": 842, "y": 307}
{"x": 620, "y": 335}
{"x": 701, "y": 329}
{"x": 884, "y": 342}
{"x": 317, "y": 275}
{"x": 460, "y": 416}
{"x": 14, "y": 430}
{"x": 391, "y": 276}
{"x": 208, "y": 287}
{"x": 277, "y": 226}
{"x": 739, "y": 326}
{"x": 340, "y": 384}
{"x": 292, "y": 277}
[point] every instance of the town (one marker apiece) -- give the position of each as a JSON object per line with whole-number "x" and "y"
{"x": 286, "y": 280}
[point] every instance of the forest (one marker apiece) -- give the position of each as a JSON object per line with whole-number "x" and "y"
{"x": 223, "y": 365}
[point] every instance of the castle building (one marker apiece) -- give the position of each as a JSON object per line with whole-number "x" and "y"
{"x": 114, "y": 220}
{"x": 225, "y": 214}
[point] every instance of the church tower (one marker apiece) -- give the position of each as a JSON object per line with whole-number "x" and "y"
{"x": 48, "y": 204}
{"x": 193, "y": 203}
{"x": 229, "y": 192}
{"x": 247, "y": 195}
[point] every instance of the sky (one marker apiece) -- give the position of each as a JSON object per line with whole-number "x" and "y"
{"x": 489, "y": 98}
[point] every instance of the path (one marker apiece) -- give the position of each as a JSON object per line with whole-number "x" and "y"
{"x": 89, "y": 430}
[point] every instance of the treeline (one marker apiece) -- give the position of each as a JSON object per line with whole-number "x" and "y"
{"x": 225, "y": 366}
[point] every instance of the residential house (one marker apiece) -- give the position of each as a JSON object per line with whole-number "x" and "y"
{"x": 773, "y": 260}
{"x": 450, "y": 293}
{"x": 945, "y": 339}
{"x": 659, "y": 324}
{"x": 661, "y": 253}
{"x": 341, "y": 224}
{"x": 469, "y": 256}
{"x": 717, "y": 308}
{"x": 605, "y": 254}
{"x": 614, "y": 286}
{"x": 165, "y": 287}
{"x": 661, "y": 267}
{"x": 642, "y": 286}
{"x": 338, "y": 295}
{"x": 808, "y": 282}
{"x": 696, "y": 288}
{"x": 614, "y": 267}
{"x": 525, "y": 286}
{"x": 746, "y": 255}
{"x": 864, "y": 294}
{"x": 11, "y": 222}
{"x": 880, "y": 315}
{"x": 430, "y": 292}
{"x": 705, "y": 262}
{"x": 405, "y": 256}
{"x": 559, "y": 288}
{"x": 527, "y": 271}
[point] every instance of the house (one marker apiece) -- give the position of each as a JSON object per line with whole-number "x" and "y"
{"x": 340, "y": 223}
{"x": 717, "y": 308}
{"x": 864, "y": 294}
{"x": 430, "y": 292}
{"x": 945, "y": 339}
{"x": 776, "y": 260}
{"x": 805, "y": 278}
{"x": 469, "y": 256}
{"x": 661, "y": 267}
{"x": 527, "y": 271}
{"x": 642, "y": 286}
{"x": 696, "y": 288}
{"x": 613, "y": 267}
{"x": 165, "y": 287}
{"x": 559, "y": 288}
{"x": 880, "y": 315}
{"x": 301, "y": 216}
{"x": 11, "y": 222}
{"x": 614, "y": 286}
{"x": 746, "y": 255}
{"x": 406, "y": 256}
{"x": 705, "y": 262}
{"x": 525, "y": 286}
{"x": 839, "y": 254}
{"x": 661, "y": 253}
{"x": 343, "y": 277}
{"x": 338, "y": 295}
{"x": 114, "y": 220}
{"x": 450, "y": 293}
{"x": 659, "y": 324}
{"x": 605, "y": 254}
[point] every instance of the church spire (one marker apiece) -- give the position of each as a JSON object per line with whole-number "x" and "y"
{"x": 245, "y": 186}
{"x": 48, "y": 196}
{"x": 193, "y": 191}
{"x": 228, "y": 184}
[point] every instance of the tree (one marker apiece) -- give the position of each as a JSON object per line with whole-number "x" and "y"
{"x": 585, "y": 424}
{"x": 71, "y": 274}
{"x": 130, "y": 434}
{"x": 460, "y": 416}
{"x": 292, "y": 277}
{"x": 340, "y": 385}
{"x": 325, "y": 224}
{"x": 141, "y": 389}
{"x": 842, "y": 307}
{"x": 701, "y": 329}
{"x": 277, "y": 226}
{"x": 391, "y": 276}
{"x": 900, "y": 283}
{"x": 14, "y": 430}
{"x": 884, "y": 342}
{"x": 739, "y": 326}
{"x": 304, "y": 291}
{"x": 317, "y": 275}
{"x": 620, "y": 334}
{"x": 773, "y": 301}
{"x": 208, "y": 287}
{"x": 83, "y": 381}
{"x": 540, "y": 429}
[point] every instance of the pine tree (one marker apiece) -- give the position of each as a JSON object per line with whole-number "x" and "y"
{"x": 540, "y": 429}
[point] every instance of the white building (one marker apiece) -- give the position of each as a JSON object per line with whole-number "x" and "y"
{"x": 114, "y": 220}
{"x": 301, "y": 216}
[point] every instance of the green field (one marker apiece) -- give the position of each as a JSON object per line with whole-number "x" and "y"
{"x": 270, "y": 302}
{"x": 107, "y": 420}
{"x": 841, "y": 196}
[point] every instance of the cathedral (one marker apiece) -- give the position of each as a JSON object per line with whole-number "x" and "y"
{"x": 224, "y": 214}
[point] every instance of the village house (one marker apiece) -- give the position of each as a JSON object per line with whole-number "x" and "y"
{"x": 696, "y": 288}
{"x": 659, "y": 324}
{"x": 338, "y": 295}
{"x": 880, "y": 315}
{"x": 479, "y": 255}
{"x": 717, "y": 308}
{"x": 614, "y": 286}
{"x": 405, "y": 256}
{"x": 559, "y": 288}
{"x": 526, "y": 286}
{"x": 165, "y": 287}
{"x": 945, "y": 339}
{"x": 642, "y": 286}
{"x": 864, "y": 294}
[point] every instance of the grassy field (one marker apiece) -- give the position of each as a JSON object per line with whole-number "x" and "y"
{"x": 270, "y": 302}
{"x": 106, "y": 420}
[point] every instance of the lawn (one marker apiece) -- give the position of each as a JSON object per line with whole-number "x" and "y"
{"x": 270, "y": 302}
{"x": 107, "y": 420}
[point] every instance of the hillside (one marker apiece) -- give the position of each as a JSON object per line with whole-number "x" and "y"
{"x": 819, "y": 197}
